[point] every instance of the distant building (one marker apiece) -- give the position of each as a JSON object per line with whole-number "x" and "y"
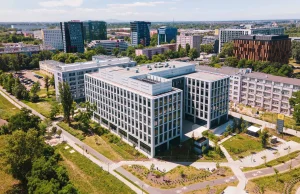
{"x": 263, "y": 48}
{"x": 37, "y": 34}
{"x": 72, "y": 36}
{"x": 109, "y": 45}
{"x": 53, "y": 37}
{"x": 166, "y": 34}
{"x": 28, "y": 49}
{"x": 140, "y": 33}
{"x": 193, "y": 40}
{"x": 267, "y": 31}
{"x": 149, "y": 52}
{"x": 214, "y": 40}
{"x": 94, "y": 30}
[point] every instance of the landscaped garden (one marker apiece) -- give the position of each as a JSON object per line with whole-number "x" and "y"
{"x": 87, "y": 177}
{"x": 242, "y": 145}
{"x": 179, "y": 176}
{"x": 218, "y": 189}
{"x": 275, "y": 184}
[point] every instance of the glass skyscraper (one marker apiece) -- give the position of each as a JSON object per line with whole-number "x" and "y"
{"x": 95, "y": 30}
{"x": 72, "y": 36}
{"x": 140, "y": 33}
{"x": 166, "y": 34}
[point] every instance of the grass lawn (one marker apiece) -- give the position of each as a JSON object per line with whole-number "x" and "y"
{"x": 215, "y": 189}
{"x": 108, "y": 145}
{"x": 242, "y": 145}
{"x": 7, "y": 109}
{"x": 87, "y": 177}
{"x": 272, "y": 118}
{"x": 43, "y": 106}
{"x": 6, "y": 180}
{"x": 270, "y": 184}
{"x": 179, "y": 176}
{"x": 275, "y": 162}
{"x": 285, "y": 136}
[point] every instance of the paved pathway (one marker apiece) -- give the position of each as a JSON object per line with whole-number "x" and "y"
{"x": 298, "y": 191}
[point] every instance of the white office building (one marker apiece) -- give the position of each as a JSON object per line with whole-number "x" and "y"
{"x": 74, "y": 73}
{"x": 53, "y": 37}
{"x": 109, "y": 45}
{"x": 145, "y": 105}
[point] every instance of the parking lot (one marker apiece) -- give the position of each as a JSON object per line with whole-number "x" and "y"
{"x": 28, "y": 78}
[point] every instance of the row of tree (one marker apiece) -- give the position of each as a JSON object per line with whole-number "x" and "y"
{"x": 34, "y": 163}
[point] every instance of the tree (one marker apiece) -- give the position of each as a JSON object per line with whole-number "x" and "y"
{"x": 34, "y": 90}
{"x": 19, "y": 90}
{"x": 229, "y": 129}
{"x": 214, "y": 60}
{"x": 227, "y": 49}
{"x": 66, "y": 100}
{"x": 21, "y": 150}
{"x": 187, "y": 48}
{"x": 47, "y": 83}
{"x": 154, "y": 40}
{"x": 84, "y": 115}
{"x": 264, "y": 136}
{"x": 53, "y": 130}
{"x": 123, "y": 53}
{"x": 130, "y": 52}
{"x": 55, "y": 109}
{"x": 173, "y": 41}
{"x": 59, "y": 132}
{"x": 100, "y": 50}
{"x": 231, "y": 62}
{"x": 295, "y": 104}
{"x": 207, "y": 48}
{"x": 296, "y": 51}
{"x": 52, "y": 81}
{"x": 193, "y": 54}
{"x": 116, "y": 51}
{"x": 276, "y": 172}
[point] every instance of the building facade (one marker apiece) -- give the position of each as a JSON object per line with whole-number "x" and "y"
{"x": 166, "y": 34}
{"x": 193, "y": 40}
{"x": 53, "y": 37}
{"x": 263, "y": 48}
{"x": 109, "y": 45}
{"x": 149, "y": 52}
{"x": 72, "y": 36}
{"x": 94, "y": 30}
{"x": 267, "y": 31}
{"x": 140, "y": 33}
{"x": 74, "y": 73}
{"x": 260, "y": 90}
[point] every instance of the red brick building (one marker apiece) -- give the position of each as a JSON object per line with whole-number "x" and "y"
{"x": 271, "y": 48}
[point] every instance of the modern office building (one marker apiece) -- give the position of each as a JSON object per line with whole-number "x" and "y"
{"x": 166, "y": 34}
{"x": 145, "y": 105}
{"x": 53, "y": 37}
{"x": 227, "y": 35}
{"x": 273, "y": 48}
{"x": 72, "y": 36}
{"x": 257, "y": 89}
{"x": 193, "y": 40}
{"x": 109, "y": 45}
{"x": 74, "y": 73}
{"x": 140, "y": 33}
{"x": 94, "y": 30}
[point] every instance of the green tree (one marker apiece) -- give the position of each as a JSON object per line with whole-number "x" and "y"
{"x": 59, "y": 132}
{"x": 231, "y": 62}
{"x": 227, "y": 49}
{"x": 207, "y": 48}
{"x": 21, "y": 150}
{"x": 295, "y": 104}
{"x": 100, "y": 50}
{"x": 173, "y": 41}
{"x": 154, "y": 40}
{"x": 187, "y": 48}
{"x": 20, "y": 91}
{"x": 84, "y": 116}
{"x": 296, "y": 51}
{"x": 193, "y": 54}
{"x": 214, "y": 60}
{"x": 47, "y": 83}
{"x": 264, "y": 136}
{"x": 116, "y": 51}
{"x": 123, "y": 54}
{"x": 52, "y": 81}
{"x": 66, "y": 100}
{"x": 34, "y": 90}
{"x": 130, "y": 52}
{"x": 55, "y": 109}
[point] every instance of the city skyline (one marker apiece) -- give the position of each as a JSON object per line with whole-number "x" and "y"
{"x": 129, "y": 10}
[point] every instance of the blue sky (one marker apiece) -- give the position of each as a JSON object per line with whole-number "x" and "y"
{"x": 151, "y": 10}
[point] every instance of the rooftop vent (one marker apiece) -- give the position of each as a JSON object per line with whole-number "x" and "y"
{"x": 137, "y": 70}
{"x": 127, "y": 68}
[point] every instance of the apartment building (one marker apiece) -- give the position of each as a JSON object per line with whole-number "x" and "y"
{"x": 146, "y": 105}
{"x": 72, "y": 36}
{"x": 259, "y": 89}
{"x": 74, "y": 73}
{"x": 109, "y": 45}
{"x": 273, "y": 48}
{"x": 166, "y": 34}
{"x": 53, "y": 37}
{"x": 149, "y": 52}
{"x": 140, "y": 33}
{"x": 193, "y": 40}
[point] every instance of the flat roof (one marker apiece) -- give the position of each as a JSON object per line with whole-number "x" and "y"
{"x": 253, "y": 129}
{"x": 223, "y": 70}
{"x": 287, "y": 80}
{"x": 206, "y": 76}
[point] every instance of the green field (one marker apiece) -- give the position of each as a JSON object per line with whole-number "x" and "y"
{"x": 272, "y": 118}
{"x": 242, "y": 145}
{"x": 88, "y": 177}
{"x": 7, "y": 109}
{"x": 275, "y": 162}
{"x": 6, "y": 180}
{"x": 270, "y": 184}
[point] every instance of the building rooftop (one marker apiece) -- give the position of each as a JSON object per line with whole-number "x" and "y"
{"x": 206, "y": 76}
{"x": 273, "y": 78}
{"x": 263, "y": 37}
{"x": 223, "y": 70}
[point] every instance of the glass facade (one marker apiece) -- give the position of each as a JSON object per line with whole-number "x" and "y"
{"x": 140, "y": 33}
{"x": 166, "y": 34}
{"x": 95, "y": 30}
{"x": 72, "y": 33}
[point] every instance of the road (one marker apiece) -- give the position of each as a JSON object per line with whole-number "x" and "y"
{"x": 110, "y": 166}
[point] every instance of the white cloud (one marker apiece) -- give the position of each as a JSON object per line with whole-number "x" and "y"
{"x": 137, "y": 4}
{"x": 61, "y": 3}
{"x": 173, "y": 8}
